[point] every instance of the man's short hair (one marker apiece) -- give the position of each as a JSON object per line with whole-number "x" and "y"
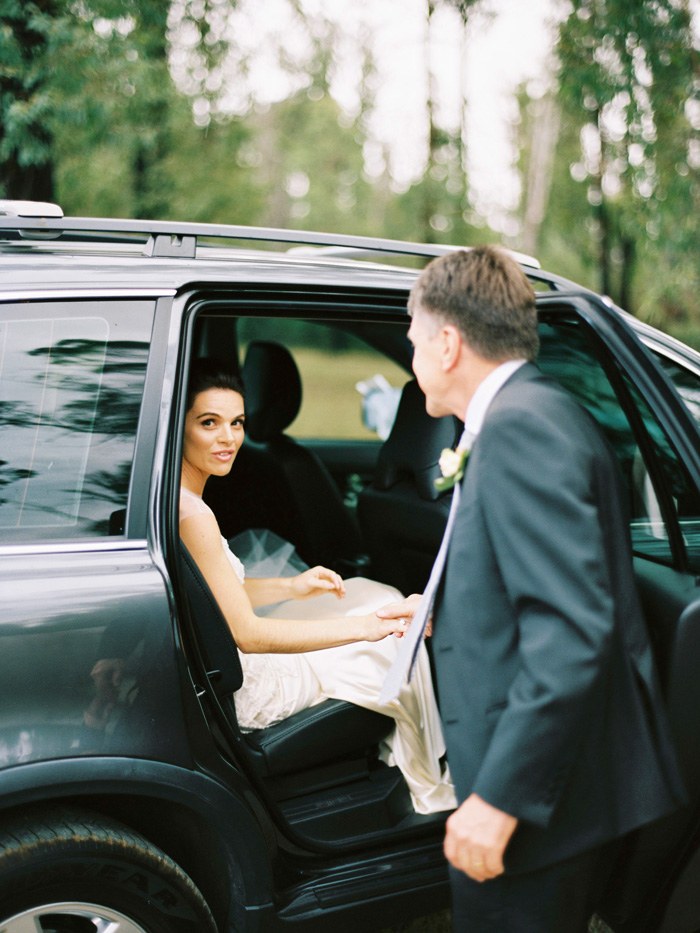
{"x": 486, "y": 295}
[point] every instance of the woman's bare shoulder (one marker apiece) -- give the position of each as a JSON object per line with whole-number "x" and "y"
{"x": 199, "y": 529}
{"x": 192, "y": 504}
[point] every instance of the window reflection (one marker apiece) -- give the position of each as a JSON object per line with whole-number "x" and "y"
{"x": 567, "y": 353}
{"x": 70, "y": 394}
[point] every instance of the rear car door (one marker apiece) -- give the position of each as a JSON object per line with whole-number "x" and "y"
{"x": 86, "y": 659}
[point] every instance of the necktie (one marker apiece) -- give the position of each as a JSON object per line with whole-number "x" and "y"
{"x": 402, "y": 668}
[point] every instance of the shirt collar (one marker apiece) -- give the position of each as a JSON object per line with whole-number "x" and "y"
{"x": 485, "y": 393}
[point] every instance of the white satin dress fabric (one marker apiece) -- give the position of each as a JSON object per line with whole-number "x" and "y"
{"x": 275, "y": 686}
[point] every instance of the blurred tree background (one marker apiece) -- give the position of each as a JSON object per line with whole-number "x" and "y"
{"x": 149, "y": 108}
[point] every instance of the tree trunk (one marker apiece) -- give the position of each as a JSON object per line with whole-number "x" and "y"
{"x": 32, "y": 183}
{"x": 602, "y": 215}
{"x": 543, "y": 136}
{"x": 628, "y": 248}
{"x": 427, "y": 200}
{"x": 604, "y": 247}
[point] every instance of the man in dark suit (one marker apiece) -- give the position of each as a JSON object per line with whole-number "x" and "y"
{"x": 555, "y": 736}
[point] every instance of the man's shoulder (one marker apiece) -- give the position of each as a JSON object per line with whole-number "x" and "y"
{"x": 532, "y": 413}
{"x": 529, "y": 389}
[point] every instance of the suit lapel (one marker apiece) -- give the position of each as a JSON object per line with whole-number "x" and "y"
{"x": 526, "y": 373}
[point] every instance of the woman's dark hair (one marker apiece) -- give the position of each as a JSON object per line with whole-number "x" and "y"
{"x": 211, "y": 373}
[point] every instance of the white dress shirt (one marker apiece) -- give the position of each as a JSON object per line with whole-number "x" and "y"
{"x": 485, "y": 393}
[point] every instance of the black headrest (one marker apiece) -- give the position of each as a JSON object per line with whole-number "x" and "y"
{"x": 272, "y": 390}
{"x": 415, "y": 443}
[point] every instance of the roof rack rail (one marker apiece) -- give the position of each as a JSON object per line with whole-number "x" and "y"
{"x": 164, "y": 238}
{"x": 422, "y": 249}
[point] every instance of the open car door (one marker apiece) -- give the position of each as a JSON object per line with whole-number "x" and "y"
{"x": 591, "y": 351}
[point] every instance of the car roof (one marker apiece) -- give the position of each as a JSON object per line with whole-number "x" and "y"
{"x": 75, "y": 252}
{"x": 44, "y": 253}
{"x": 36, "y": 266}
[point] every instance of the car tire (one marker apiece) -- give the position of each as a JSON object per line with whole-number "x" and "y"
{"x": 75, "y": 872}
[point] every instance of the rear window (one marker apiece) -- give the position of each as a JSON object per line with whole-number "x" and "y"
{"x": 71, "y": 384}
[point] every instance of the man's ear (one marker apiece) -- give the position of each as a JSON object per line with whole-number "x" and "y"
{"x": 451, "y": 347}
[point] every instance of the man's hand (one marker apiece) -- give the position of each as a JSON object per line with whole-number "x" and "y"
{"x": 476, "y": 838}
{"x": 405, "y": 609}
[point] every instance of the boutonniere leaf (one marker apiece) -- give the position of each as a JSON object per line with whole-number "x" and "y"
{"x": 452, "y": 465}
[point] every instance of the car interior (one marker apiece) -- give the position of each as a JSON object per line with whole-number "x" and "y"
{"x": 368, "y": 506}
{"x": 320, "y": 769}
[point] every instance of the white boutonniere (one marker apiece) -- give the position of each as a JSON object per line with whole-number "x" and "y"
{"x": 452, "y": 464}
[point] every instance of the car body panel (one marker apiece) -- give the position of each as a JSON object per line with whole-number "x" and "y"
{"x": 88, "y": 657}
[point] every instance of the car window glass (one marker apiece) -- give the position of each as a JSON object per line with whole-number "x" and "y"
{"x": 687, "y": 383}
{"x": 350, "y": 391}
{"x": 567, "y": 354}
{"x": 71, "y": 381}
{"x": 684, "y": 497}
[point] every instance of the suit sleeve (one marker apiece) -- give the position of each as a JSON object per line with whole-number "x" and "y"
{"x": 542, "y": 518}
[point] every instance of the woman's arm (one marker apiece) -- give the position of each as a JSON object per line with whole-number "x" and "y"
{"x": 265, "y": 590}
{"x": 253, "y": 634}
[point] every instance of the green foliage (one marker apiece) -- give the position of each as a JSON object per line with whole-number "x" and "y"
{"x": 91, "y": 116}
{"x": 208, "y": 175}
{"x": 25, "y": 97}
{"x": 433, "y": 209}
{"x": 308, "y": 160}
{"x": 626, "y": 82}
{"x": 463, "y": 7}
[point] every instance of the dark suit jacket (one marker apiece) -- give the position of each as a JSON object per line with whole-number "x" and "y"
{"x": 547, "y": 689}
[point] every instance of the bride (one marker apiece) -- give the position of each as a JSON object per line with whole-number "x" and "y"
{"x": 331, "y": 645}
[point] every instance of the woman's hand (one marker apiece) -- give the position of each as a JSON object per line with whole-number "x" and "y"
{"x": 315, "y": 581}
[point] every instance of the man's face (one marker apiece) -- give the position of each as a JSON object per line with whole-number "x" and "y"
{"x": 426, "y": 335}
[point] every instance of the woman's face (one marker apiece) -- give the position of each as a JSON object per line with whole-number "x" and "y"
{"x": 214, "y": 431}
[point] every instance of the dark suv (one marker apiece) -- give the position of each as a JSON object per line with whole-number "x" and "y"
{"x": 130, "y": 800}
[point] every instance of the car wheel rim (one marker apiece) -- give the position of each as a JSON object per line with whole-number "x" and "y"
{"x": 70, "y": 918}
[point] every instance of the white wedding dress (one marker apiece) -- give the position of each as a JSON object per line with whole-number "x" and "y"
{"x": 276, "y": 686}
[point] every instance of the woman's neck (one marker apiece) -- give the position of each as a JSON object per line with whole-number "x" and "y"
{"x": 192, "y": 480}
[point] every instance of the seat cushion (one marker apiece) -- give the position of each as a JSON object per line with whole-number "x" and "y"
{"x": 331, "y": 730}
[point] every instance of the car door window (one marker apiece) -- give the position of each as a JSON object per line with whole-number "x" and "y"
{"x": 662, "y": 501}
{"x": 71, "y": 382}
{"x": 681, "y": 498}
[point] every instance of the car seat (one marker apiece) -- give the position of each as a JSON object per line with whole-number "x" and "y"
{"x": 327, "y": 743}
{"x": 402, "y": 515}
{"x": 276, "y": 482}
